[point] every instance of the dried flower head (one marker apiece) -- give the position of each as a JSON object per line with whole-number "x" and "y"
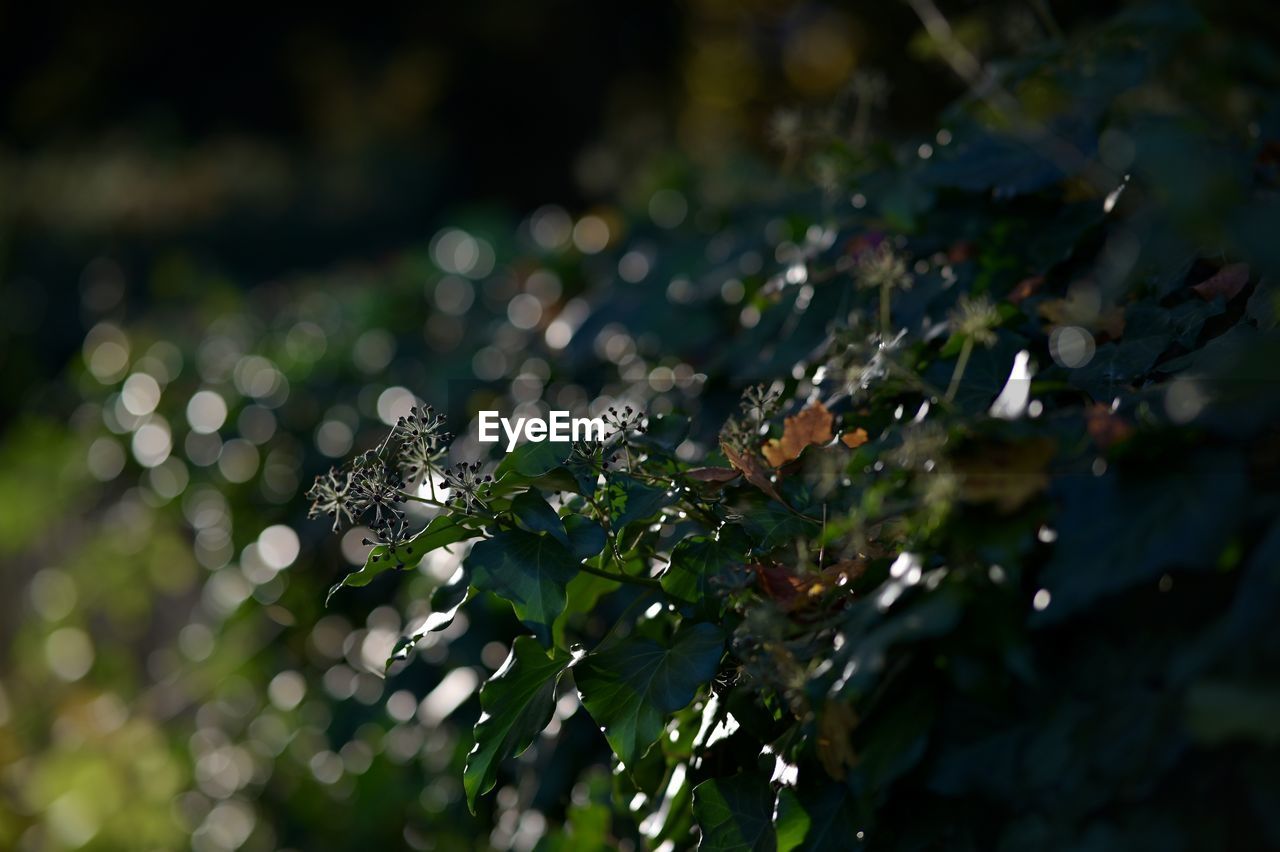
{"x": 423, "y": 442}
{"x": 332, "y": 495}
{"x": 466, "y": 485}
{"x": 976, "y": 318}
{"x": 625, "y": 421}
{"x": 882, "y": 268}
{"x": 378, "y": 485}
{"x": 760, "y": 402}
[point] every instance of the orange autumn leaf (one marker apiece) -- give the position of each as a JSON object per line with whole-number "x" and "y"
{"x": 854, "y": 439}
{"x": 810, "y": 426}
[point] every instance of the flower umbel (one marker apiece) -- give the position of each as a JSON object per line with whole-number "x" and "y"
{"x": 378, "y": 485}
{"x": 332, "y": 495}
{"x": 423, "y": 443}
{"x": 976, "y": 318}
{"x": 882, "y": 268}
{"x": 465, "y": 485}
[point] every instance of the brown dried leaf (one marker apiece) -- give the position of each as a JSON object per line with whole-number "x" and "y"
{"x": 854, "y": 439}
{"x": 810, "y": 426}
{"x": 752, "y": 470}
{"x": 717, "y": 475}
{"x": 1227, "y": 282}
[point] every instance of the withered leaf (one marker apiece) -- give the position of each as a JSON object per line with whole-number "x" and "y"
{"x": 1227, "y": 282}
{"x": 792, "y": 592}
{"x": 713, "y": 474}
{"x": 1007, "y": 475}
{"x": 810, "y": 426}
{"x": 752, "y": 469}
{"x": 854, "y": 439}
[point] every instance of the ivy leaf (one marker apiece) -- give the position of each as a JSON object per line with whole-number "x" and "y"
{"x": 632, "y": 687}
{"x": 446, "y": 600}
{"x": 441, "y": 532}
{"x": 534, "y": 459}
{"x": 694, "y": 561}
{"x": 528, "y": 570}
{"x": 735, "y": 814}
{"x": 811, "y": 426}
{"x": 586, "y": 537}
{"x": 517, "y": 703}
{"x": 632, "y": 500}
{"x": 1118, "y": 531}
{"x": 664, "y": 432}
{"x": 536, "y": 515}
{"x": 820, "y": 817}
{"x": 772, "y": 526}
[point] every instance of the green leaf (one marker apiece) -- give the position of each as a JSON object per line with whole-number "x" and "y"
{"x": 665, "y": 432}
{"x": 1118, "y": 531}
{"x": 632, "y": 500}
{"x": 818, "y": 817}
{"x": 631, "y": 687}
{"x": 528, "y": 570}
{"x": 441, "y": 532}
{"x": 446, "y": 600}
{"x": 536, "y": 515}
{"x": 695, "y": 561}
{"x": 774, "y": 525}
{"x": 517, "y": 703}
{"x": 735, "y": 814}
{"x": 586, "y": 537}
{"x": 534, "y": 459}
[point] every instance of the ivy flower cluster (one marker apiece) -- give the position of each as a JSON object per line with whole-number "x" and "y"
{"x": 372, "y": 487}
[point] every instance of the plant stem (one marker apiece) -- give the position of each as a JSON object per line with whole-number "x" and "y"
{"x": 405, "y": 495}
{"x": 648, "y": 582}
{"x": 966, "y": 349}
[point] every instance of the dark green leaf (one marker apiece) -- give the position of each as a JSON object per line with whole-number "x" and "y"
{"x": 534, "y": 459}
{"x": 517, "y": 703}
{"x": 632, "y": 500}
{"x": 536, "y": 515}
{"x": 1118, "y": 531}
{"x": 631, "y": 687}
{"x": 695, "y": 561}
{"x": 586, "y": 537}
{"x": 735, "y": 814}
{"x": 441, "y": 532}
{"x": 528, "y": 570}
{"x": 446, "y": 600}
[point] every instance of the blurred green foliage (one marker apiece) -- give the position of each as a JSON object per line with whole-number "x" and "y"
{"x": 1035, "y": 609}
